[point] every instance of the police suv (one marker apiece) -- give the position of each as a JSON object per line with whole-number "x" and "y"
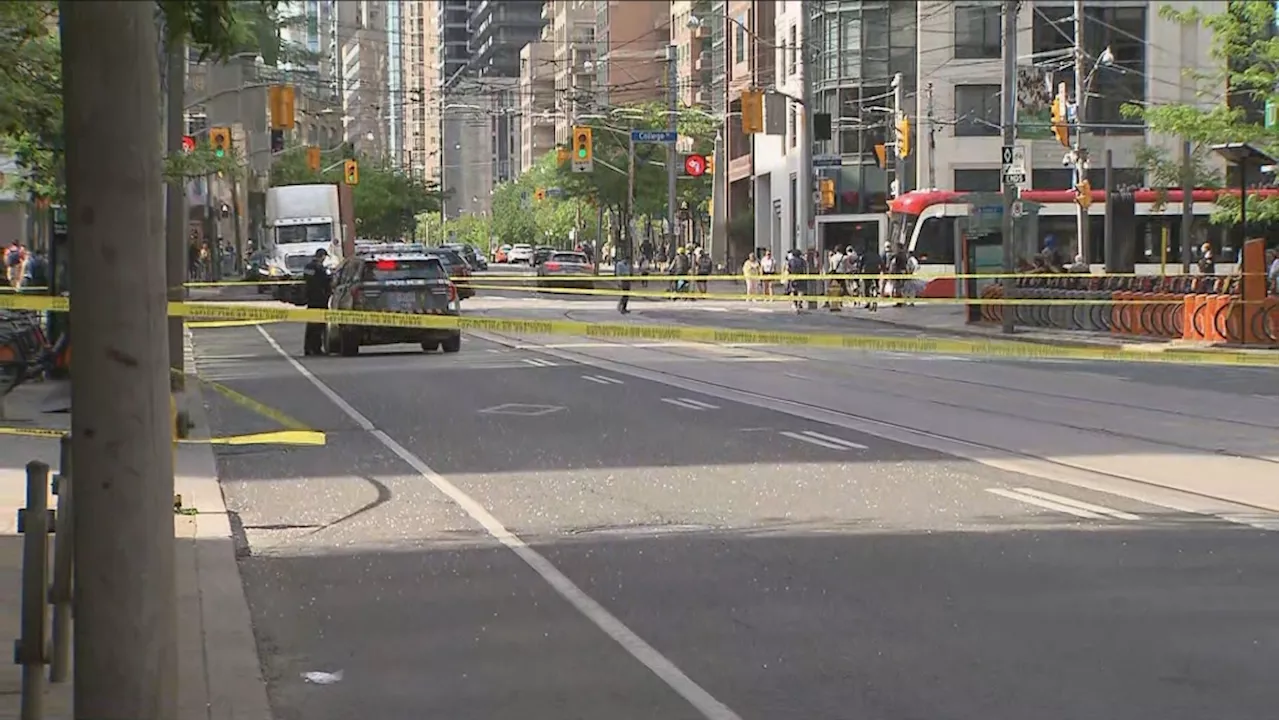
{"x": 398, "y": 278}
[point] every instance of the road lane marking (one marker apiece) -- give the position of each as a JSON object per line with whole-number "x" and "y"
{"x": 1089, "y": 507}
{"x": 690, "y": 404}
{"x": 838, "y": 441}
{"x": 666, "y": 671}
{"x": 1047, "y": 504}
{"x": 812, "y": 441}
{"x": 537, "y": 362}
{"x": 602, "y": 380}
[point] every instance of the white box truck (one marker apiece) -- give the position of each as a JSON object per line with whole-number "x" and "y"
{"x": 300, "y": 220}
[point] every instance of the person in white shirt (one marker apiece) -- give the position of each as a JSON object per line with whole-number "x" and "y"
{"x": 768, "y": 268}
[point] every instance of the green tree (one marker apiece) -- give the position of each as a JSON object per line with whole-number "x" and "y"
{"x": 1244, "y": 59}
{"x": 513, "y": 217}
{"x": 31, "y": 96}
{"x": 470, "y": 229}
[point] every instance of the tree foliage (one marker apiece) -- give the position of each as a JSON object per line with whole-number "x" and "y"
{"x": 31, "y": 96}
{"x": 1244, "y": 58}
{"x": 387, "y": 201}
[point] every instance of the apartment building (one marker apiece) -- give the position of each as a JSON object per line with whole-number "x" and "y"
{"x": 366, "y": 81}
{"x": 570, "y": 31}
{"x": 631, "y": 44}
{"x": 691, "y": 36}
{"x": 958, "y": 110}
{"x": 537, "y": 102}
{"x": 420, "y": 70}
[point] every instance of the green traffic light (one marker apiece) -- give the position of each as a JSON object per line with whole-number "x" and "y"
{"x": 582, "y": 152}
{"x": 219, "y": 152}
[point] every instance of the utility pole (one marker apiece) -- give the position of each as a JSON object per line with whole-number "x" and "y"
{"x": 898, "y": 161}
{"x": 175, "y": 207}
{"x": 1081, "y": 155}
{"x": 804, "y": 196}
{"x": 673, "y": 107}
{"x": 1008, "y": 132}
{"x": 933, "y": 142}
{"x": 125, "y": 605}
{"x": 1188, "y": 207}
{"x": 631, "y": 186}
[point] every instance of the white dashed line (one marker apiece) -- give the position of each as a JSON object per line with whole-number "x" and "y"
{"x": 826, "y": 441}
{"x": 536, "y": 362}
{"x": 1061, "y": 504}
{"x": 602, "y": 380}
{"x": 690, "y": 404}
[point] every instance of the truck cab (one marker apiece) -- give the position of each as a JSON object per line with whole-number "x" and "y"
{"x": 301, "y": 219}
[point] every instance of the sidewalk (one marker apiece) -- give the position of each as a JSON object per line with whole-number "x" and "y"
{"x": 219, "y": 675}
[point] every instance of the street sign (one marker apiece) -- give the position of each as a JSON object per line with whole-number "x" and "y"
{"x": 695, "y": 165}
{"x": 653, "y": 136}
{"x": 1013, "y": 164}
{"x": 1015, "y": 178}
{"x": 555, "y": 192}
{"x": 1017, "y": 208}
{"x": 826, "y": 161}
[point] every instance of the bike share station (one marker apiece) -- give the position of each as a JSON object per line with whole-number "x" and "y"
{"x": 980, "y": 243}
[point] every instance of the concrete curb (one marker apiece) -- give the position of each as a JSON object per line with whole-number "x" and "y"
{"x": 234, "y": 688}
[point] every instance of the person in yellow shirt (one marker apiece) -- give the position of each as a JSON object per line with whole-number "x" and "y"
{"x": 751, "y": 272}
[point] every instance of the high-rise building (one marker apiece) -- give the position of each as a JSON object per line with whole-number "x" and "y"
{"x": 453, "y": 31}
{"x": 396, "y": 95}
{"x": 420, "y": 120}
{"x": 366, "y": 82}
{"x": 570, "y": 32}
{"x": 537, "y": 102}
{"x": 498, "y": 31}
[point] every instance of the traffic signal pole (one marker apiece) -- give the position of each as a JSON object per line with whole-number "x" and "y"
{"x": 125, "y": 601}
{"x": 1080, "y": 154}
{"x": 1008, "y": 131}
{"x": 673, "y": 107}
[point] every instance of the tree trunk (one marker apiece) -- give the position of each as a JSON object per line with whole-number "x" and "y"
{"x": 125, "y": 598}
{"x": 175, "y": 228}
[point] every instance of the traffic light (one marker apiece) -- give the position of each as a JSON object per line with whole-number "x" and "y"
{"x": 827, "y": 193}
{"x": 752, "y": 112}
{"x": 581, "y": 145}
{"x": 903, "y": 129}
{"x": 220, "y": 141}
{"x": 711, "y": 164}
{"x": 562, "y": 155}
{"x": 540, "y": 194}
{"x": 313, "y": 158}
{"x": 1058, "y": 117}
{"x": 351, "y": 172}
{"x": 1084, "y": 194}
{"x": 281, "y": 100}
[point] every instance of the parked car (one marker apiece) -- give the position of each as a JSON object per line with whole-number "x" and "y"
{"x": 500, "y": 254}
{"x": 472, "y": 256}
{"x": 520, "y": 253}
{"x": 458, "y": 270}
{"x": 540, "y": 254}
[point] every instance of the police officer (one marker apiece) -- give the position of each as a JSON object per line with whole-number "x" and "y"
{"x": 316, "y": 290}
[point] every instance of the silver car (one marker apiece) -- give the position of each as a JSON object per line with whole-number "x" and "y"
{"x": 566, "y": 270}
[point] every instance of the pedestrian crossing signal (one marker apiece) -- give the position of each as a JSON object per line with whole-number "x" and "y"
{"x": 351, "y": 172}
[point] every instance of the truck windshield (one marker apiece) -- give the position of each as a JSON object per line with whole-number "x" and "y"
{"x": 288, "y": 234}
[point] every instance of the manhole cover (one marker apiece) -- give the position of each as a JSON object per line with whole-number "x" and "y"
{"x": 523, "y": 410}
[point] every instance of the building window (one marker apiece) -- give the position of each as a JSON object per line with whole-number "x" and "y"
{"x": 740, "y": 40}
{"x": 792, "y": 121}
{"x": 977, "y": 109}
{"x": 1123, "y": 30}
{"x": 977, "y": 30}
{"x": 969, "y": 180}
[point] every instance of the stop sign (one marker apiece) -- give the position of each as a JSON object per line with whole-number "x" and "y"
{"x": 695, "y": 165}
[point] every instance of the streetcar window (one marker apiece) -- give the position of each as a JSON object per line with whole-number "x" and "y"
{"x": 936, "y": 243}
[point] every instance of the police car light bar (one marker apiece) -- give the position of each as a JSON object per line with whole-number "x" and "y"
{"x": 386, "y": 248}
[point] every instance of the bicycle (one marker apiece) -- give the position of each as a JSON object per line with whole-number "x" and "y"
{"x": 25, "y": 353}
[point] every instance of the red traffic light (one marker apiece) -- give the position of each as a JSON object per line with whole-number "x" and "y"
{"x": 695, "y": 165}
{"x": 188, "y": 143}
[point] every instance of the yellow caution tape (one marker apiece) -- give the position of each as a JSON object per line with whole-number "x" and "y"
{"x": 33, "y": 432}
{"x": 211, "y": 324}
{"x": 513, "y": 326}
{"x": 780, "y": 277}
{"x": 254, "y": 406}
{"x": 313, "y": 438}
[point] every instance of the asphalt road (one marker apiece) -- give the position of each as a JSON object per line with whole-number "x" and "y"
{"x": 769, "y": 565}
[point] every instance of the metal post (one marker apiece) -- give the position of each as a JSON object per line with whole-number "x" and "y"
{"x": 1108, "y": 220}
{"x": 1188, "y": 206}
{"x": 60, "y": 587}
{"x": 899, "y": 186}
{"x": 631, "y": 183}
{"x": 35, "y": 578}
{"x": 719, "y": 180}
{"x": 804, "y": 195}
{"x": 175, "y": 209}
{"x": 673, "y": 107}
{"x": 1008, "y": 131}
{"x": 933, "y": 145}
{"x": 1081, "y": 155}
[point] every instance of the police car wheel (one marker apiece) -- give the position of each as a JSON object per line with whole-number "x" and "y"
{"x": 452, "y": 344}
{"x": 348, "y": 343}
{"x": 429, "y": 346}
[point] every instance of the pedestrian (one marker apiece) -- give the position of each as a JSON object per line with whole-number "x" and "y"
{"x": 768, "y": 267}
{"x": 871, "y": 264}
{"x": 705, "y": 268}
{"x": 622, "y": 269}
{"x": 751, "y": 273}
{"x": 796, "y": 266}
{"x": 316, "y": 287}
{"x": 15, "y": 264}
